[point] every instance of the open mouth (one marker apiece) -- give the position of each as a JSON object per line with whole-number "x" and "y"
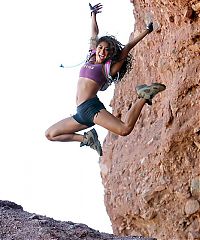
{"x": 102, "y": 57}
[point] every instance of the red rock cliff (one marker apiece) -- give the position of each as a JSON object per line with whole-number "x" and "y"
{"x": 152, "y": 176}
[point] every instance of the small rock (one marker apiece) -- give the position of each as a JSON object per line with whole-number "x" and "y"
{"x": 188, "y": 12}
{"x": 195, "y": 187}
{"x": 191, "y": 207}
{"x": 196, "y": 7}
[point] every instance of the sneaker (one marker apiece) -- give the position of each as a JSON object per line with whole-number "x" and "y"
{"x": 148, "y": 92}
{"x": 91, "y": 140}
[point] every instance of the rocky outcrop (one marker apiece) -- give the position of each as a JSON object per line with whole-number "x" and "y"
{"x": 16, "y": 224}
{"x": 152, "y": 176}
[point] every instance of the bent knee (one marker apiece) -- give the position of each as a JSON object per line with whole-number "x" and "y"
{"x": 48, "y": 135}
{"x": 125, "y": 131}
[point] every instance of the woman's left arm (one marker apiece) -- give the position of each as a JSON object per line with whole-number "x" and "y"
{"x": 132, "y": 44}
{"x": 125, "y": 51}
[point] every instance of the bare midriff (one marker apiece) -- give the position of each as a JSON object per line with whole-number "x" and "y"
{"x": 86, "y": 89}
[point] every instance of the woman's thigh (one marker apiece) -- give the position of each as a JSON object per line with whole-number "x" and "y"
{"x": 110, "y": 122}
{"x": 66, "y": 126}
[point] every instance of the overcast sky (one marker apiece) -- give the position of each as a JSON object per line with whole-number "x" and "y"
{"x": 59, "y": 180}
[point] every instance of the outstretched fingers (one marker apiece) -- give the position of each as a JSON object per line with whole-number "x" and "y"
{"x": 96, "y": 8}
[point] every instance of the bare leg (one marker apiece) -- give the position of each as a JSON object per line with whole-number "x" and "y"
{"x": 115, "y": 125}
{"x": 64, "y": 131}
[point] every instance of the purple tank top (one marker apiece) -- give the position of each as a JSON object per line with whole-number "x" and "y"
{"x": 94, "y": 72}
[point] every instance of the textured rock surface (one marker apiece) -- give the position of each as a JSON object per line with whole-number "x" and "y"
{"x": 16, "y": 224}
{"x": 152, "y": 176}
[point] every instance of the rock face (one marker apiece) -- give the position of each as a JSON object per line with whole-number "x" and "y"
{"x": 16, "y": 224}
{"x": 152, "y": 176}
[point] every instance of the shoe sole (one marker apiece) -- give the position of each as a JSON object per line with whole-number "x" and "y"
{"x": 159, "y": 87}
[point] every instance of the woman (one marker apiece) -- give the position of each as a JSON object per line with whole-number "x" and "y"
{"x": 105, "y": 53}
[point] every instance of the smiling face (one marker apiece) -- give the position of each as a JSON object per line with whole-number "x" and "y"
{"x": 103, "y": 52}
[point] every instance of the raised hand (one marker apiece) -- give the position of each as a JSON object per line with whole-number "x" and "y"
{"x": 96, "y": 8}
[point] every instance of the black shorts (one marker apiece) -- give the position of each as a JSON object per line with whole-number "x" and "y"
{"x": 87, "y": 110}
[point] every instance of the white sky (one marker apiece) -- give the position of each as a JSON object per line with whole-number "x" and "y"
{"x": 59, "y": 180}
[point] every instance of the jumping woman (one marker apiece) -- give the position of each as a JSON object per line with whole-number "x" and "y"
{"x": 107, "y": 62}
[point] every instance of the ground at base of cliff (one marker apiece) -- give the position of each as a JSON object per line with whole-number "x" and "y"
{"x": 17, "y": 224}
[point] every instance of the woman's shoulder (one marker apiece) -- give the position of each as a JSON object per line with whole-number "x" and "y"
{"x": 92, "y": 50}
{"x": 91, "y": 54}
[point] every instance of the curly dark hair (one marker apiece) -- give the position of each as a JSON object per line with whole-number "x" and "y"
{"x": 116, "y": 48}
